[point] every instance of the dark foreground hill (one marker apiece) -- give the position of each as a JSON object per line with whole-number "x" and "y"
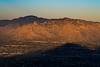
{"x": 68, "y": 55}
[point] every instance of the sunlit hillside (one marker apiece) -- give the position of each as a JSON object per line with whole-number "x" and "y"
{"x": 53, "y": 30}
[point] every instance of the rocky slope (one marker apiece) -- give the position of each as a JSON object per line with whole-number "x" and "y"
{"x": 32, "y": 28}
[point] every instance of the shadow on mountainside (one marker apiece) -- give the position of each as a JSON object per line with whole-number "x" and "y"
{"x": 71, "y": 55}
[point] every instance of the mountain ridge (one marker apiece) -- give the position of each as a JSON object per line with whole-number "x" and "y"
{"x": 32, "y": 18}
{"x": 52, "y": 30}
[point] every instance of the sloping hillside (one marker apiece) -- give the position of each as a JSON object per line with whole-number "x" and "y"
{"x": 52, "y": 30}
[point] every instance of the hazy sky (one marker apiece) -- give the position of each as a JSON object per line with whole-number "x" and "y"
{"x": 85, "y": 9}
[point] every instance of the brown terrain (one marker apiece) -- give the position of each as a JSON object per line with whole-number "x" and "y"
{"x": 63, "y": 30}
{"x": 31, "y": 34}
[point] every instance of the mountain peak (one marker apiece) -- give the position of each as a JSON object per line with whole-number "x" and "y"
{"x": 25, "y": 19}
{"x": 31, "y": 19}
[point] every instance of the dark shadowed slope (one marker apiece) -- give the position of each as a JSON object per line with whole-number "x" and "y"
{"x": 23, "y": 20}
{"x": 72, "y": 55}
{"x": 5, "y": 22}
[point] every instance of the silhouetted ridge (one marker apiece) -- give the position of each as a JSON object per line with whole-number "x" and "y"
{"x": 29, "y": 19}
{"x": 32, "y": 19}
{"x": 5, "y": 22}
{"x": 67, "y": 55}
{"x": 69, "y": 49}
{"x": 23, "y": 20}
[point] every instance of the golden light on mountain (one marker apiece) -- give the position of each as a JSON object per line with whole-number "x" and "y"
{"x": 56, "y": 30}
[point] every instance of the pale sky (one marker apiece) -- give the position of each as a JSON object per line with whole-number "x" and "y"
{"x": 84, "y": 9}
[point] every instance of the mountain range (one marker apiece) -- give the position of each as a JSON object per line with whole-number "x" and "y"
{"x": 64, "y": 30}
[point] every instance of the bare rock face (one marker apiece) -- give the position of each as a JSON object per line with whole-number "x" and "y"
{"x": 63, "y": 30}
